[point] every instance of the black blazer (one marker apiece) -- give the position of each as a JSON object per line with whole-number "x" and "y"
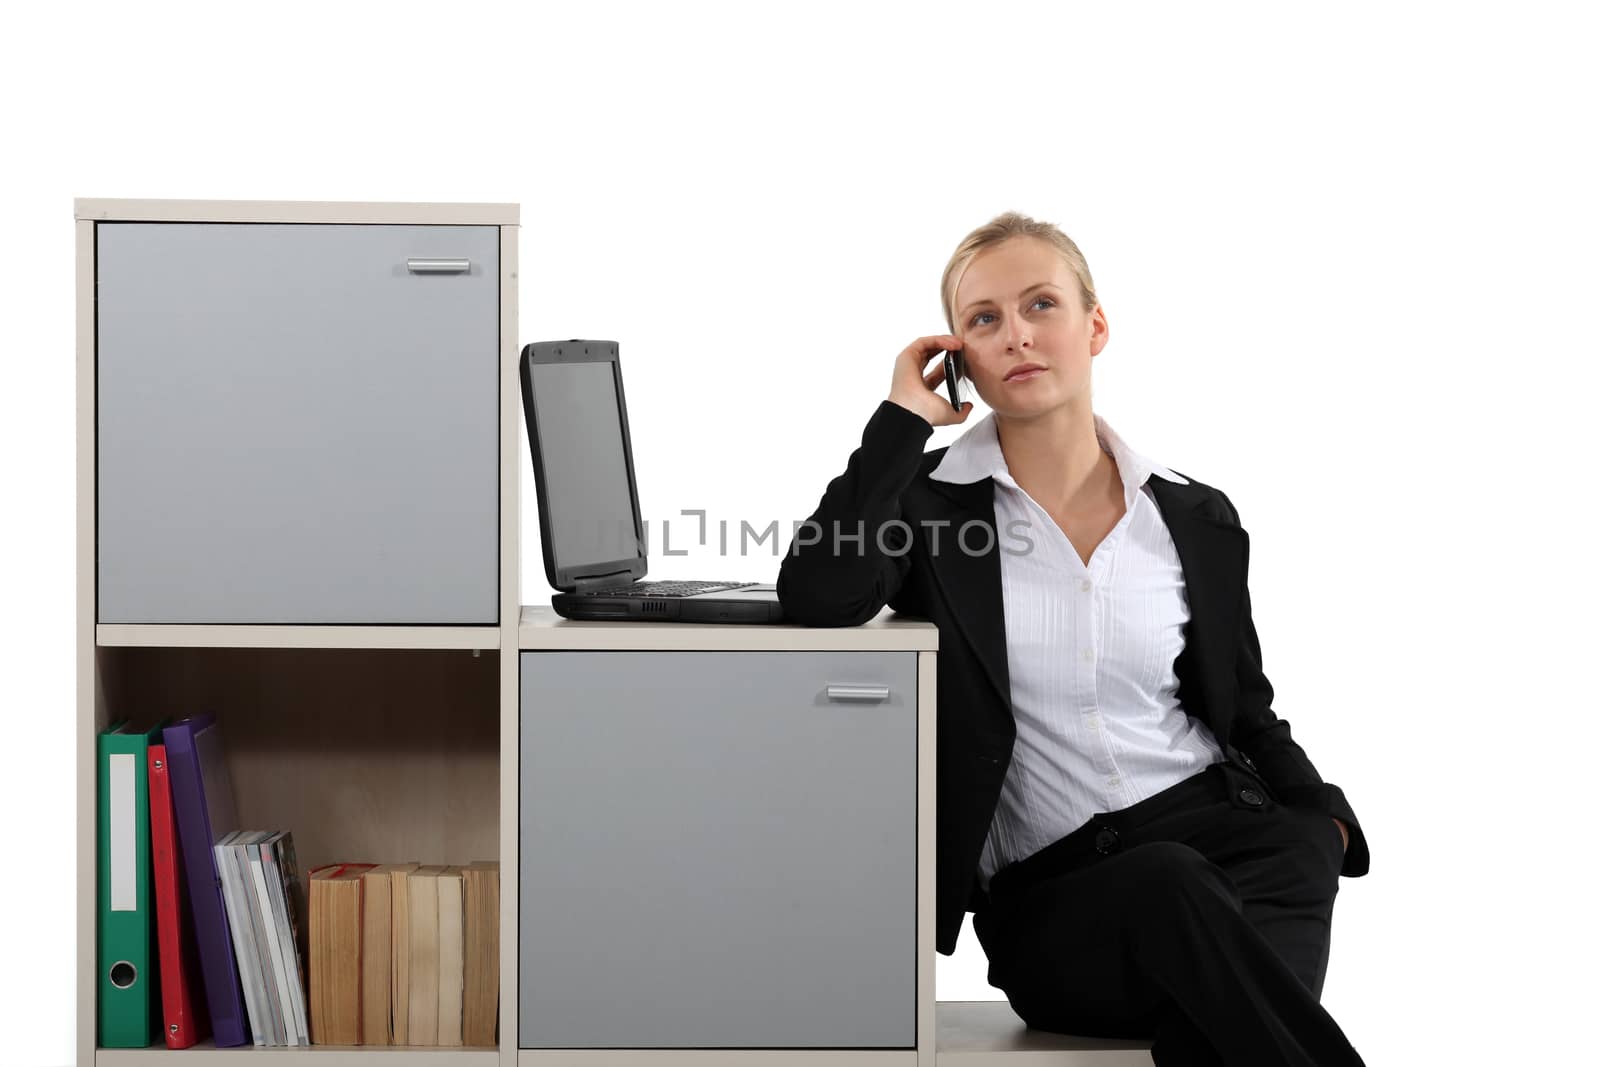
{"x": 908, "y": 556}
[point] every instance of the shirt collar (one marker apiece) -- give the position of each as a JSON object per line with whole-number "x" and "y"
{"x": 976, "y": 455}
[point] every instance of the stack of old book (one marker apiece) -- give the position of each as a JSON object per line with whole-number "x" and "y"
{"x": 405, "y": 954}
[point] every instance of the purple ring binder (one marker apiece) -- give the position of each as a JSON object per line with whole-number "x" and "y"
{"x": 203, "y": 807}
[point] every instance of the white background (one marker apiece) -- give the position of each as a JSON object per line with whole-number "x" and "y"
{"x": 1348, "y": 260}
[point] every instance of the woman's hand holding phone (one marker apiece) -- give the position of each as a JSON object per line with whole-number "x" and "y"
{"x": 918, "y": 394}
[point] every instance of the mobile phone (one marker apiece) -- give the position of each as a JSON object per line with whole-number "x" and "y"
{"x": 955, "y": 377}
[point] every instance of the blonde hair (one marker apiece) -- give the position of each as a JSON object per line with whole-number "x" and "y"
{"x": 1003, "y": 228}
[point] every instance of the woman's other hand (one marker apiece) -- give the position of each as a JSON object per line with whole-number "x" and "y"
{"x": 920, "y": 395}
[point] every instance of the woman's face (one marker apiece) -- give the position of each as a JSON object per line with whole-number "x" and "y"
{"x": 1019, "y": 305}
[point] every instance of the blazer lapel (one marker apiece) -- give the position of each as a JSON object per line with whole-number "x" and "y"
{"x": 971, "y": 583}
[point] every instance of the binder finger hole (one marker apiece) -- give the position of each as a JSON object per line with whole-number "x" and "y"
{"x": 123, "y": 974}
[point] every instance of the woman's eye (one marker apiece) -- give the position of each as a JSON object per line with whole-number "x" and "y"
{"x": 977, "y": 320}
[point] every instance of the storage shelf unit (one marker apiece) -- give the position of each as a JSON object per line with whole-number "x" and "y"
{"x": 385, "y": 732}
{"x": 770, "y": 787}
{"x": 401, "y": 740}
{"x": 738, "y": 735}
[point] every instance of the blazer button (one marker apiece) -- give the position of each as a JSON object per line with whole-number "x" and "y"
{"x": 1105, "y": 842}
{"x": 1250, "y": 797}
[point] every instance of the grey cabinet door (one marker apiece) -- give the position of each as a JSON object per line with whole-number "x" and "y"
{"x": 714, "y": 853}
{"x": 295, "y": 428}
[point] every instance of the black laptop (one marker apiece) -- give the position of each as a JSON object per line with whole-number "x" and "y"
{"x": 594, "y": 544}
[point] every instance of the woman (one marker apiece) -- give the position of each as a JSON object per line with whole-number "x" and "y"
{"x": 1147, "y": 850}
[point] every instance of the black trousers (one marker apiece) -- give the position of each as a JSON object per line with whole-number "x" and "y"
{"x": 1198, "y": 918}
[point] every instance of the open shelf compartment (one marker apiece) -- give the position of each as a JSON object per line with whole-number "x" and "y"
{"x": 365, "y": 755}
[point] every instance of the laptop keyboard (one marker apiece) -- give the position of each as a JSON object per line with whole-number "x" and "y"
{"x": 669, "y": 589}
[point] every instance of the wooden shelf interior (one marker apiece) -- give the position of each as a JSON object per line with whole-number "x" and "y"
{"x": 365, "y": 755}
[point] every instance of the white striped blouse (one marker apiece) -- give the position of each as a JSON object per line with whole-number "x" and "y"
{"x": 1091, "y": 652}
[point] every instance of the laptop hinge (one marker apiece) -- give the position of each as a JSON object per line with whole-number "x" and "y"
{"x": 601, "y": 581}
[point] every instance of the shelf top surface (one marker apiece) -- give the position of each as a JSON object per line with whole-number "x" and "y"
{"x": 992, "y": 1026}
{"x": 542, "y": 628}
{"x": 310, "y": 211}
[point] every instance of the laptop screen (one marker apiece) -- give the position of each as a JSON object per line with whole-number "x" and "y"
{"x": 585, "y": 473}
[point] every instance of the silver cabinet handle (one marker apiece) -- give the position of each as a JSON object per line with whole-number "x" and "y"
{"x": 859, "y": 694}
{"x": 438, "y": 266}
